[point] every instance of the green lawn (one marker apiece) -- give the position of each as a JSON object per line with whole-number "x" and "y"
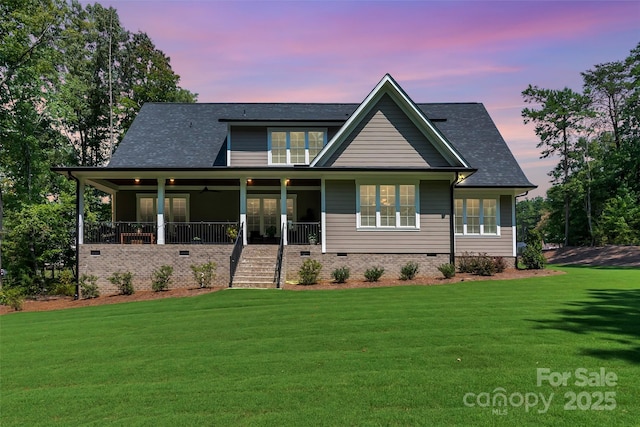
{"x": 385, "y": 356}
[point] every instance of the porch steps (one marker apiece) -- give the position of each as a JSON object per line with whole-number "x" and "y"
{"x": 256, "y": 267}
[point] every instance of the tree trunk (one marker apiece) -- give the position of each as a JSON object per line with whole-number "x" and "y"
{"x": 565, "y": 166}
{"x": 566, "y": 218}
{"x": 1, "y": 232}
{"x": 589, "y": 219}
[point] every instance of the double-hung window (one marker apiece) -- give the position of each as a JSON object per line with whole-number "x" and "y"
{"x": 476, "y": 216}
{"x": 175, "y": 208}
{"x": 387, "y": 206}
{"x": 295, "y": 146}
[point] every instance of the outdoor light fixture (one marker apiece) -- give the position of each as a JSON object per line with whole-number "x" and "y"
{"x": 137, "y": 180}
{"x": 171, "y": 180}
{"x": 249, "y": 181}
{"x": 287, "y": 181}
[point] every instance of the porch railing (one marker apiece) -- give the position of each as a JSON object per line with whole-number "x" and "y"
{"x": 234, "y": 259}
{"x": 303, "y": 233}
{"x": 206, "y": 233}
{"x": 129, "y": 232}
{"x": 278, "y": 272}
{"x": 122, "y": 232}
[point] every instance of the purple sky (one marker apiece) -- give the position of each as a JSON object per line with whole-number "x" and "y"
{"x": 438, "y": 51}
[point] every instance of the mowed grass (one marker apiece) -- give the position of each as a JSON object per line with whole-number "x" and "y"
{"x": 385, "y": 356}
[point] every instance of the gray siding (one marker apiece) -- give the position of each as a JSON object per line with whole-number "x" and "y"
{"x": 435, "y": 212}
{"x": 249, "y": 146}
{"x": 506, "y": 212}
{"x": 342, "y": 235}
{"x": 495, "y": 246}
{"x": 387, "y": 137}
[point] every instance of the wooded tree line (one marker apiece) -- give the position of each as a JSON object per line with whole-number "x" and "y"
{"x": 595, "y": 134}
{"x": 71, "y": 82}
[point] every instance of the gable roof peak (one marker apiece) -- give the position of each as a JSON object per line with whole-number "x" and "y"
{"x": 387, "y": 85}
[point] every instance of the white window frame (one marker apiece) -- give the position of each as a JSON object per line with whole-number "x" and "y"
{"x": 378, "y": 226}
{"x": 168, "y": 216}
{"x": 464, "y": 216}
{"x": 288, "y": 131}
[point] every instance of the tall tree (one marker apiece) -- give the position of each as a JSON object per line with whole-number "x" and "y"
{"x": 109, "y": 73}
{"x": 529, "y": 213}
{"x": 27, "y": 76}
{"x": 146, "y": 76}
{"x": 84, "y": 102}
{"x": 27, "y": 79}
{"x": 613, "y": 88}
{"x": 605, "y": 86}
{"x": 558, "y": 122}
{"x": 60, "y": 66}
{"x": 631, "y": 121}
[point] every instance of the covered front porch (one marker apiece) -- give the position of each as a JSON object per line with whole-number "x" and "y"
{"x": 205, "y": 211}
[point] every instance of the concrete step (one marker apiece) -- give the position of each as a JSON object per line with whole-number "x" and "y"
{"x": 256, "y": 263}
{"x": 256, "y": 267}
{"x": 254, "y": 277}
{"x": 254, "y": 284}
{"x": 250, "y": 263}
{"x": 255, "y": 273}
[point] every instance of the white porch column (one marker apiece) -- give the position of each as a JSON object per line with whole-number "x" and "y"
{"x": 283, "y": 209}
{"x": 113, "y": 207}
{"x": 323, "y": 216}
{"x": 160, "y": 228}
{"x": 243, "y": 209}
{"x": 80, "y": 196}
{"x": 514, "y": 241}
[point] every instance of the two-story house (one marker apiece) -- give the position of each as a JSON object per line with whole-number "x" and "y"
{"x": 378, "y": 183}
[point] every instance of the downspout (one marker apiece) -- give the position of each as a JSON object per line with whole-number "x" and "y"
{"x": 515, "y": 198}
{"x": 452, "y": 232}
{"x": 77, "y": 294}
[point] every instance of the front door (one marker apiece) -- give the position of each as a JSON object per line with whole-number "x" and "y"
{"x": 263, "y": 217}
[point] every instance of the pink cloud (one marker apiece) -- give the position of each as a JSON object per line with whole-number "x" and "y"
{"x": 438, "y": 51}
{"x": 312, "y": 36}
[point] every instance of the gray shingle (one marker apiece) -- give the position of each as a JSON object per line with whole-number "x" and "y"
{"x": 472, "y": 131}
{"x": 194, "y": 135}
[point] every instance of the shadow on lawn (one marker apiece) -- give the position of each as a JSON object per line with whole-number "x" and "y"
{"x": 610, "y": 311}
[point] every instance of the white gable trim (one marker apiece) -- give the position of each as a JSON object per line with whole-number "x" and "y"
{"x": 388, "y": 85}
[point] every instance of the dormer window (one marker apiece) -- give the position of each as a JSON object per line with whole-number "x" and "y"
{"x": 295, "y": 146}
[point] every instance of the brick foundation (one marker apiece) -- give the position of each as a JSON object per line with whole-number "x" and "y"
{"x": 142, "y": 260}
{"x": 358, "y": 263}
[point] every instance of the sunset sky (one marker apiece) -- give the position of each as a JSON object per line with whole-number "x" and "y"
{"x": 438, "y": 51}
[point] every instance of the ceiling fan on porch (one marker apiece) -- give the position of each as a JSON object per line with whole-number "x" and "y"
{"x": 206, "y": 190}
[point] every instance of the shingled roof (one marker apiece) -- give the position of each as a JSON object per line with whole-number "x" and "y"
{"x": 194, "y": 135}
